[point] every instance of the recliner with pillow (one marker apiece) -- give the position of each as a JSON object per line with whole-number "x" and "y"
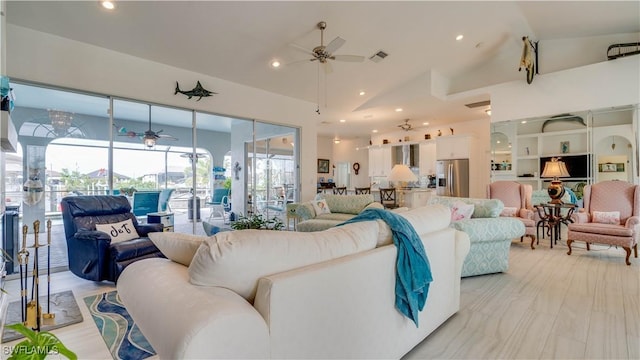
{"x": 92, "y": 253}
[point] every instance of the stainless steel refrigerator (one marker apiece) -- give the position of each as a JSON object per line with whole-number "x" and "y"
{"x": 452, "y": 177}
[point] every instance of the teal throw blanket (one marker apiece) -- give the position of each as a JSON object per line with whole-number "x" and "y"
{"x": 413, "y": 272}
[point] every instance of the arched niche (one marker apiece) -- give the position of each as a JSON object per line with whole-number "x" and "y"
{"x": 614, "y": 158}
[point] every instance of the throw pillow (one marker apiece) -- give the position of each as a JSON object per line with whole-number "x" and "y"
{"x": 177, "y": 247}
{"x": 236, "y": 260}
{"x": 321, "y": 207}
{"x": 121, "y": 231}
{"x": 509, "y": 211}
{"x": 460, "y": 210}
{"x": 606, "y": 217}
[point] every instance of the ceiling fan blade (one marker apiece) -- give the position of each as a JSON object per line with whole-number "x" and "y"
{"x": 298, "y": 61}
{"x": 334, "y": 45}
{"x": 166, "y": 137}
{"x": 301, "y": 48}
{"x": 349, "y": 58}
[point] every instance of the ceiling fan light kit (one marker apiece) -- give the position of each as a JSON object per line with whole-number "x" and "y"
{"x": 406, "y": 126}
{"x": 149, "y": 137}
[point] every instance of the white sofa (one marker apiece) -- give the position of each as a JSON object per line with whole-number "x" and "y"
{"x": 338, "y": 308}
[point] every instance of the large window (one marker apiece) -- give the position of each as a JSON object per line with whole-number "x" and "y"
{"x": 73, "y": 143}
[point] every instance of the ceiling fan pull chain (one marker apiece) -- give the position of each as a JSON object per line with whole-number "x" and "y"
{"x": 318, "y": 90}
{"x": 325, "y": 91}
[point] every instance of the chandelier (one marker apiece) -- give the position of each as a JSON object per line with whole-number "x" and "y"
{"x": 60, "y": 121}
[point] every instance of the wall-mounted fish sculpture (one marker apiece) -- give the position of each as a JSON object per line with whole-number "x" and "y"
{"x": 196, "y": 91}
{"x": 564, "y": 118}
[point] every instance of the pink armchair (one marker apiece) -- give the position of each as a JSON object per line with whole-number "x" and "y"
{"x": 518, "y": 197}
{"x": 608, "y": 196}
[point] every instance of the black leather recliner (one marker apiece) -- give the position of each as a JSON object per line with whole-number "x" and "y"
{"x": 92, "y": 256}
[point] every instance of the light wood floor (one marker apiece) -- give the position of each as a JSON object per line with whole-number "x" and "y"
{"x": 548, "y": 305}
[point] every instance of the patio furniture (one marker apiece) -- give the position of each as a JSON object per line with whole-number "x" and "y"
{"x": 219, "y": 203}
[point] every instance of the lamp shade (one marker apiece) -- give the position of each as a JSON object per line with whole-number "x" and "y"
{"x": 554, "y": 169}
{"x": 401, "y": 173}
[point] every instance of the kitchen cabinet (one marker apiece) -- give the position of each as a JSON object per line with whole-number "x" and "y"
{"x": 380, "y": 160}
{"x": 427, "y": 162}
{"x": 416, "y": 197}
{"x": 453, "y": 147}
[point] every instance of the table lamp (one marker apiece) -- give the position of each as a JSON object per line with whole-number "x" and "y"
{"x": 400, "y": 175}
{"x": 555, "y": 169}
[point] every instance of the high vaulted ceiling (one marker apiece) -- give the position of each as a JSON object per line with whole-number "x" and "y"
{"x": 236, "y": 41}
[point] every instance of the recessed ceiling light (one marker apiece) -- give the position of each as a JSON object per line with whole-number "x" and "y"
{"x": 425, "y": 123}
{"x": 398, "y": 109}
{"x": 459, "y": 37}
{"x": 109, "y": 5}
{"x": 374, "y": 131}
{"x": 488, "y": 111}
{"x": 336, "y": 141}
{"x": 275, "y": 64}
{"x": 523, "y": 121}
{"x": 343, "y": 120}
{"x": 362, "y": 93}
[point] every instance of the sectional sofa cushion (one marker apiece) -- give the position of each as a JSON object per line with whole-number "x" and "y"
{"x": 347, "y": 204}
{"x": 178, "y": 247}
{"x": 482, "y": 208}
{"x": 236, "y": 260}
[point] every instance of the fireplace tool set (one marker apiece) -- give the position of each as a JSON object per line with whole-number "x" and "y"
{"x": 31, "y": 310}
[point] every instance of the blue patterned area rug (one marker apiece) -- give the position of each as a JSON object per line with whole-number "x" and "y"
{"x": 122, "y": 336}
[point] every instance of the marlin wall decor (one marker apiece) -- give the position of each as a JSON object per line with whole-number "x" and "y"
{"x": 198, "y": 91}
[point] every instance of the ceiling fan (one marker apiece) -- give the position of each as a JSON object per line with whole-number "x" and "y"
{"x": 148, "y": 137}
{"x": 322, "y": 53}
{"x": 406, "y": 126}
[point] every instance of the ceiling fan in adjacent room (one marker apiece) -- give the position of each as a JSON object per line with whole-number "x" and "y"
{"x": 148, "y": 137}
{"x": 406, "y": 126}
{"x": 323, "y": 54}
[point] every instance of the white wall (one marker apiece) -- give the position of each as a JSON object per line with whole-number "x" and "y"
{"x": 44, "y": 58}
{"x": 596, "y": 86}
{"x": 352, "y": 151}
{"x": 325, "y": 151}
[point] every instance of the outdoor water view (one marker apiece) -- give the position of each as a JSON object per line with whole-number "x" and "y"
{"x": 79, "y": 167}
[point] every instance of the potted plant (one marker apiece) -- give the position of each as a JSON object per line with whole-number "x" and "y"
{"x": 257, "y": 221}
{"x": 37, "y": 345}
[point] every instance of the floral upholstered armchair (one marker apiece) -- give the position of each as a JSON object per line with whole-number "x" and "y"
{"x": 611, "y": 215}
{"x": 517, "y": 203}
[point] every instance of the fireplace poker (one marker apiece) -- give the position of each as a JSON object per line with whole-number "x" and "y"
{"x": 23, "y": 260}
{"x": 49, "y": 317}
{"x": 34, "y": 311}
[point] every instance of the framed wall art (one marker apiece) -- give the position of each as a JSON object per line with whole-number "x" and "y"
{"x": 608, "y": 167}
{"x": 323, "y": 166}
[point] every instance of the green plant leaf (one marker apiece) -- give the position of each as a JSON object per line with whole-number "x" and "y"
{"x": 38, "y": 344}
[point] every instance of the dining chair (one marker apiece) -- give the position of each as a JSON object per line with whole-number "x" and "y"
{"x": 388, "y": 198}
{"x": 363, "y": 190}
{"x": 340, "y": 190}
